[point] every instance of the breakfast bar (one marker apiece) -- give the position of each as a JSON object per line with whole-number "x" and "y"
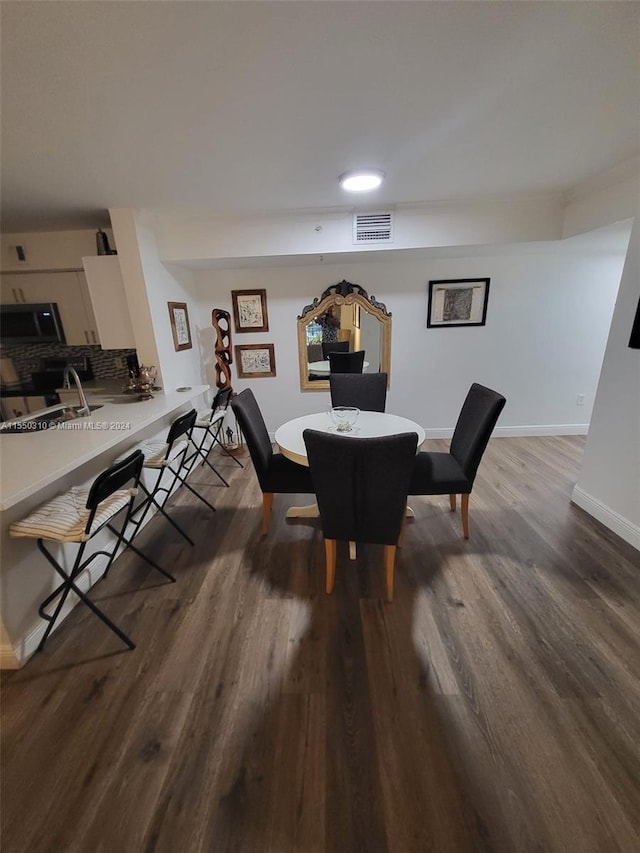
{"x": 38, "y": 465}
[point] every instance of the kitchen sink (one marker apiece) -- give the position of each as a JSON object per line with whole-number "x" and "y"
{"x": 45, "y": 421}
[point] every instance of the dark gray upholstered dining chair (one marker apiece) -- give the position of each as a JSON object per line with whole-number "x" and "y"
{"x": 276, "y": 473}
{"x": 453, "y": 473}
{"x": 361, "y": 487}
{"x": 366, "y": 391}
{"x": 346, "y": 362}
{"x": 334, "y": 346}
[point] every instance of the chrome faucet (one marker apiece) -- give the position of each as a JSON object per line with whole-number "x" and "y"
{"x": 84, "y": 411}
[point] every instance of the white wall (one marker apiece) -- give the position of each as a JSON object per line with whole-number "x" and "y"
{"x": 149, "y": 286}
{"x": 547, "y": 324}
{"x": 609, "y": 483}
{"x": 608, "y": 197}
{"x": 183, "y": 367}
{"x": 200, "y": 234}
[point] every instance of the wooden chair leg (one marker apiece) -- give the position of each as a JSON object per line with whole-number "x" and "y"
{"x": 402, "y": 528}
{"x": 389, "y": 560}
{"x": 267, "y": 503}
{"x": 330, "y": 562}
{"x": 452, "y": 502}
{"x": 465, "y": 515}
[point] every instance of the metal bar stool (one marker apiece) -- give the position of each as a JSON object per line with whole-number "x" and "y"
{"x": 76, "y": 517}
{"x": 168, "y": 457}
{"x": 211, "y": 424}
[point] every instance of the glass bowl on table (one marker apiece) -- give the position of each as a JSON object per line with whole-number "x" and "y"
{"x": 344, "y": 417}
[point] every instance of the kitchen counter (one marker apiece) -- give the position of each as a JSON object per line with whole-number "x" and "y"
{"x": 31, "y": 461}
{"x": 38, "y": 465}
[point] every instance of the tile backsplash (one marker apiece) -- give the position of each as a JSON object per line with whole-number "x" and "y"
{"x": 27, "y": 357}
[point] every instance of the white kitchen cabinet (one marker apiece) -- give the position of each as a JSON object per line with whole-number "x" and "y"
{"x": 92, "y": 325}
{"x": 8, "y": 292}
{"x": 28, "y": 288}
{"x": 10, "y": 289}
{"x": 105, "y": 289}
{"x": 67, "y": 289}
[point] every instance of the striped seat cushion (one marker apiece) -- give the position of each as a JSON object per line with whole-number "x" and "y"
{"x": 65, "y": 517}
{"x": 155, "y": 451}
{"x": 204, "y": 419}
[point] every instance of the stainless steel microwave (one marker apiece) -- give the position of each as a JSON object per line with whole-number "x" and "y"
{"x": 28, "y": 324}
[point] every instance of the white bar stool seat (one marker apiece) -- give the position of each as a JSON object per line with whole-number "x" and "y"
{"x": 64, "y": 519}
{"x": 155, "y": 452}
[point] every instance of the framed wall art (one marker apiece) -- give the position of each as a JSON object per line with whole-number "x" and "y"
{"x": 180, "y": 325}
{"x": 250, "y": 310}
{"x": 457, "y": 302}
{"x": 254, "y": 361}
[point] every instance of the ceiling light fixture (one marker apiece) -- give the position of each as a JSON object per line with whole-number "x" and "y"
{"x": 361, "y": 180}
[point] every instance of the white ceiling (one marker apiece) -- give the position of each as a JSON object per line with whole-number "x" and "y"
{"x": 258, "y": 106}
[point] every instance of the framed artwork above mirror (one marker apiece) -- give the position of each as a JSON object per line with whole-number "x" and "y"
{"x": 343, "y": 314}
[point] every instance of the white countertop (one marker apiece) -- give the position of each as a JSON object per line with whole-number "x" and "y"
{"x": 31, "y": 461}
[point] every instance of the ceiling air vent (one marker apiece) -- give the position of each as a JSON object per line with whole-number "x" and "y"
{"x": 373, "y": 228}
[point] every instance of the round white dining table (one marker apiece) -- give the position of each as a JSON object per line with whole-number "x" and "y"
{"x": 369, "y": 425}
{"x": 321, "y": 368}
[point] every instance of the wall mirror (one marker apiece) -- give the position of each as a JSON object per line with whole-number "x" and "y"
{"x": 344, "y": 314}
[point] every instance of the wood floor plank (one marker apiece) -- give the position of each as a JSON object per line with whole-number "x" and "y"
{"x": 354, "y": 813}
{"x": 493, "y": 707}
{"x": 410, "y": 744}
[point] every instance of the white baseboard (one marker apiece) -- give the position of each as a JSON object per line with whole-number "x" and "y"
{"x": 620, "y": 525}
{"x": 543, "y": 429}
{"x": 513, "y": 431}
{"x": 16, "y": 656}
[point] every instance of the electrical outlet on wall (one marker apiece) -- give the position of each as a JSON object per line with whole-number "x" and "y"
{"x": 580, "y": 400}
{"x": 120, "y": 362}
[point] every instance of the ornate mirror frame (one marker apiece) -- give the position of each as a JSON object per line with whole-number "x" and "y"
{"x": 343, "y": 293}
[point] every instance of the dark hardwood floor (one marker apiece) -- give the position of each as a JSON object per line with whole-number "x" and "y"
{"x": 494, "y": 706}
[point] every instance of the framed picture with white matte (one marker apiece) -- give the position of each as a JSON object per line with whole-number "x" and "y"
{"x": 457, "y": 302}
{"x": 255, "y": 361}
{"x": 180, "y": 329}
{"x": 250, "y": 310}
